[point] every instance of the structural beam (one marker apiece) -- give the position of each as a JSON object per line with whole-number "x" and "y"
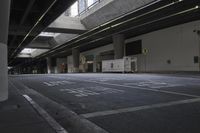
{"x": 49, "y": 65}
{"x": 118, "y": 42}
{"x": 76, "y": 57}
{"x": 65, "y": 30}
{"x": 22, "y": 30}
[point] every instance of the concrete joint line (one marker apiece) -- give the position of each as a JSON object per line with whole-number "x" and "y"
{"x": 52, "y": 122}
{"x": 133, "y": 109}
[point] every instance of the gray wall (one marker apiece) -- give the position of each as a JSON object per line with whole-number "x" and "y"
{"x": 178, "y": 44}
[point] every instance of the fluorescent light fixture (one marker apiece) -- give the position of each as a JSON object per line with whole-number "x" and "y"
{"x": 27, "y": 51}
{"x": 74, "y": 9}
{"x": 9, "y": 68}
{"x": 31, "y": 53}
{"x": 47, "y": 34}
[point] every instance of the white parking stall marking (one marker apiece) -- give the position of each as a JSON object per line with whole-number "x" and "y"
{"x": 138, "y": 87}
{"x": 144, "y": 88}
{"x": 145, "y": 107}
{"x": 46, "y": 83}
{"x": 49, "y": 119}
{"x": 153, "y": 84}
{"x": 57, "y": 83}
{"x": 91, "y": 91}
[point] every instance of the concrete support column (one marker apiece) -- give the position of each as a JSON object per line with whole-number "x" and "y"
{"x": 76, "y": 58}
{"x": 198, "y": 33}
{"x": 118, "y": 42}
{"x": 94, "y": 64}
{"x": 4, "y": 23}
{"x": 49, "y": 65}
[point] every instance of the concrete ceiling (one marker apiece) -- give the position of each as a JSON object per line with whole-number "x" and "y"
{"x": 160, "y": 15}
{"x": 28, "y": 18}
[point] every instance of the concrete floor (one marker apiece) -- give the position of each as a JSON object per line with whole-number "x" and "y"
{"x": 118, "y": 103}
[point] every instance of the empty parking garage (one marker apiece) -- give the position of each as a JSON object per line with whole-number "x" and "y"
{"x": 99, "y": 66}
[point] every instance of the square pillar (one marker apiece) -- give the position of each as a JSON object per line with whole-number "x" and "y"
{"x": 4, "y": 23}
{"x": 118, "y": 42}
{"x": 76, "y": 58}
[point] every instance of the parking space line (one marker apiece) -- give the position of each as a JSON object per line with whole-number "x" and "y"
{"x": 133, "y": 109}
{"x": 147, "y": 89}
{"x": 51, "y": 121}
{"x": 135, "y": 87}
{"x": 140, "y": 88}
{"x": 78, "y": 124}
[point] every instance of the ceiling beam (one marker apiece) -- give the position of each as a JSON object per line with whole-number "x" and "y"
{"x": 65, "y": 30}
{"x": 22, "y": 30}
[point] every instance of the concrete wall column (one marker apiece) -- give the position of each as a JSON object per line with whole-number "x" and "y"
{"x": 76, "y": 58}
{"x": 4, "y": 23}
{"x": 198, "y": 33}
{"x": 49, "y": 65}
{"x": 95, "y": 64}
{"x": 118, "y": 43}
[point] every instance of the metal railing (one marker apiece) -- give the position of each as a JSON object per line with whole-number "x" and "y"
{"x": 67, "y": 13}
{"x": 89, "y": 7}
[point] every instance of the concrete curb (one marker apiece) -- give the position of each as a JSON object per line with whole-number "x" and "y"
{"x": 78, "y": 123}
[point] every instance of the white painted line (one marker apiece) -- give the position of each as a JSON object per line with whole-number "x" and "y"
{"x": 77, "y": 122}
{"x": 145, "y": 107}
{"x": 142, "y": 88}
{"x": 147, "y": 89}
{"x": 55, "y": 125}
{"x": 91, "y": 91}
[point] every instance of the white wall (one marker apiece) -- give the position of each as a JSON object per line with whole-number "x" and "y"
{"x": 94, "y": 52}
{"x": 178, "y": 44}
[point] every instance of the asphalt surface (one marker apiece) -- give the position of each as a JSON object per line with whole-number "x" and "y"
{"x": 17, "y": 116}
{"x": 125, "y": 103}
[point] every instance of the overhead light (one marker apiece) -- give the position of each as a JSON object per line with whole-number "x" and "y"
{"x": 197, "y": 7}
{"x": 27, "y": 51}
{"x": 47, "y": 34}
{"x": 9, "y": 68}
{"x": 31, "y": 53}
